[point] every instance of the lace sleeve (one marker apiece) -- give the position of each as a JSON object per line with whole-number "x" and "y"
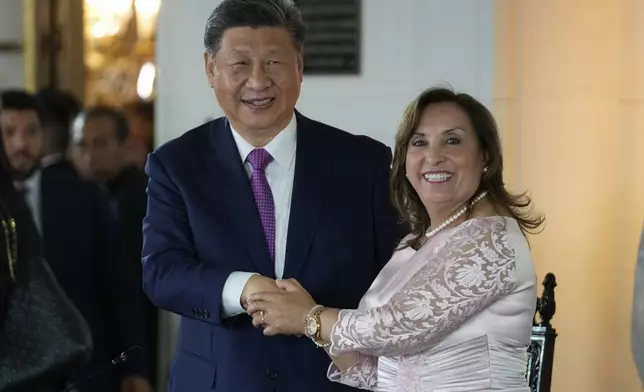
{"x": 363, "y": 374}
{"x": 470, "y": 272}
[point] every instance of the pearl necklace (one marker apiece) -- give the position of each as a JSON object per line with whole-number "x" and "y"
{"x": 457, "y": 214}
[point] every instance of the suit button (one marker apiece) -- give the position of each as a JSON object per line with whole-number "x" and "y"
{"x": 206, "y": 314}
{"x": 271, "y": 373}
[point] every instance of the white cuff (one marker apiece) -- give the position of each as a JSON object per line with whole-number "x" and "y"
{"x": 232, "y": 291}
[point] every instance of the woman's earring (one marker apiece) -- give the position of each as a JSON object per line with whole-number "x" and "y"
{"x": 485, "y": 169}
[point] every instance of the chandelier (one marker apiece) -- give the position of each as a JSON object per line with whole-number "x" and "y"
{"x": 119, "y": 49}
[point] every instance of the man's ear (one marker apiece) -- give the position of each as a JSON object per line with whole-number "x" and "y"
{"x": 209, "y": 64}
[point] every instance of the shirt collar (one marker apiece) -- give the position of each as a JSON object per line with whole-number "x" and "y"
{"x": 51, "y": 159}
{"x": 281, "y": 148}
{"x": 30, "y": 183}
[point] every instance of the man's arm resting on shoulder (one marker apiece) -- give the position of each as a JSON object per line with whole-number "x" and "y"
{"x": 173, "y": 278}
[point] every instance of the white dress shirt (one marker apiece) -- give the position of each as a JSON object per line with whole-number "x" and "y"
{"x": 31, "y": 188}
{"x": 280, "y": 173}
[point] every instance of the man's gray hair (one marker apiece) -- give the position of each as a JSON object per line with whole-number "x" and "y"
{"x": 253, "y": 13}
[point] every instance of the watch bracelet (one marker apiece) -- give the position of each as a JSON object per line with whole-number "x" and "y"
{"x": 315, "y": 313}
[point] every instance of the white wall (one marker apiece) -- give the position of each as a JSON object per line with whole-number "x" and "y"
{"x": 407, "y": 46}
{"x": 11, "y": 63}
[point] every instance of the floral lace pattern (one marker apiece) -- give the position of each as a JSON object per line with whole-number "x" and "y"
{"x": 471, "y": 271}
{"x": 363, "y": 374}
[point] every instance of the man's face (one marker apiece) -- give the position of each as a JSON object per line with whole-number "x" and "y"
{"x": 99, "y": 151}
{"x": 256, "y": 75}
{"x": 23, "y": 140}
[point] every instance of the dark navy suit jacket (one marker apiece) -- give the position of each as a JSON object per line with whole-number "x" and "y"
{"x": 202, "y": 224}
{"x": 85, "y": 251}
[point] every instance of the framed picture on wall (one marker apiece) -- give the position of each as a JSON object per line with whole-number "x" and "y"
{"x": 332, "y": 45}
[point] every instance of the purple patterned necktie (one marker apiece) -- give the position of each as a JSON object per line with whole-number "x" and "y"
{"x": 259, "y": 159}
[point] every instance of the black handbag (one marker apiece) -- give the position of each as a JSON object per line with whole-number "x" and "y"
{"x": 43, "y": 336}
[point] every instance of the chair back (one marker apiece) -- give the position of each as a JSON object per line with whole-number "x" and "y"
{"x": 541, "y": 351}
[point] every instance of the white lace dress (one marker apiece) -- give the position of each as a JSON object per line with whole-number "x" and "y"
{"x": 454, "y": 316}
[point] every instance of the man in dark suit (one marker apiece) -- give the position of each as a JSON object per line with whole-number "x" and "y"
{"x": 100, "y": 136}
{"x": 61, "y": 107}
{"x": 260, "y": 194}
{"x": 80, "y": 244}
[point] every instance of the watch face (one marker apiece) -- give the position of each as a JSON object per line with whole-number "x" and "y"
{"x": 311, "y": 327}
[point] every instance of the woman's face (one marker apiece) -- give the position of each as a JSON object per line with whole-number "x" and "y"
{"x": 444, "y": 159}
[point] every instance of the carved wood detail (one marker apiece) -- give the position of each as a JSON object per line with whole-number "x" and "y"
{"x": 542, "y": 347}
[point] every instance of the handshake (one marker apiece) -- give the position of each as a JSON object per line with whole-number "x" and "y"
{"x": 278, "y": 306}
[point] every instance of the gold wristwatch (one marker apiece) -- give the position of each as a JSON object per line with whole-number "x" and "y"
{"x": 313, "y": 326}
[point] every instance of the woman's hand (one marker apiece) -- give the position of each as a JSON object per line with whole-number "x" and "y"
{"x": 281, "y": 313}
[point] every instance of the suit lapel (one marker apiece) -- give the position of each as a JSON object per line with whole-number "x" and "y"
{"x": 236, "y": 193}
{"x": 309, "y": 189}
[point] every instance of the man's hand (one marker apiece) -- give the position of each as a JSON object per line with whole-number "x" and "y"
{"x": 256, "y": 284}
{"x": 135, "y": 384}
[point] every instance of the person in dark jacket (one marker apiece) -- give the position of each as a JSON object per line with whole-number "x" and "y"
{"x": 18, "y": 248}
{"x": 61, "y": 107}
{"x": 100, "y": 136}
{"x": 82, "y": 245}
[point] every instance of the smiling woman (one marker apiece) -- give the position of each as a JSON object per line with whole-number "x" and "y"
{"x": 453, "y": 307}
{"x": 447, "y": 153}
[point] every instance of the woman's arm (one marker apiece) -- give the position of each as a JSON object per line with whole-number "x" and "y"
{"x": 362, "y": 373}
{"x": 354, "y": 369}
{"x": 473, "y": 270}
